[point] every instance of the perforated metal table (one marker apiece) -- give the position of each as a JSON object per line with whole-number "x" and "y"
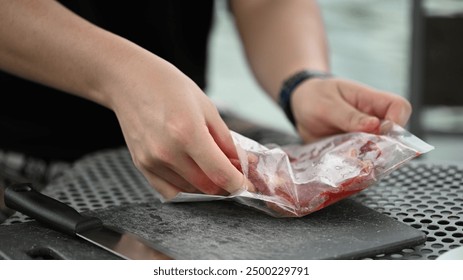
{"x": 426, "y": 196}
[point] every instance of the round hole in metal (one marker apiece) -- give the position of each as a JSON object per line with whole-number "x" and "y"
{"x": 430, "y": 239}
{"x": 450, "y": 228}
{"x": 437, "y": 246}
{"x": 433, "y": 227}
{"x": 443, "y": 222}
{"x": 448, "y": 240}
{"x": 409, "y": 220}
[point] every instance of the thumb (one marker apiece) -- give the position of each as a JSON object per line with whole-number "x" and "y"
{"x": 367, "y": 123}
{"x": 349, "y": 119}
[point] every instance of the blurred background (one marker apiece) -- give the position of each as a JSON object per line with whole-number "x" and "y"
{"x": 379, "y": 43}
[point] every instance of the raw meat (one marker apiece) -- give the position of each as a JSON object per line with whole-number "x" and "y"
{"x": 299, "y": 180}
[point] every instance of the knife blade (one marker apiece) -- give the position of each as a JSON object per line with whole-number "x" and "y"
{"x": 59, "y": 216}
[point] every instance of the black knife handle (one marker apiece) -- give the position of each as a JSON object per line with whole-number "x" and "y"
{"x": 51, "y": 212}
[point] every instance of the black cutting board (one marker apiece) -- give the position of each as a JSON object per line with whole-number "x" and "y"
{"x": 225, "y": 230}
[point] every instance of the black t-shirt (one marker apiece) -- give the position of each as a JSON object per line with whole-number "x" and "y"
{"x": 45, "y": 123}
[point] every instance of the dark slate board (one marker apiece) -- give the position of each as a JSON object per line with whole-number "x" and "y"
{"x": 225, "y": 230}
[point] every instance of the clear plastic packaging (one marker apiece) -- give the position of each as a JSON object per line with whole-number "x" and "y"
{"x": 296, "y": 180}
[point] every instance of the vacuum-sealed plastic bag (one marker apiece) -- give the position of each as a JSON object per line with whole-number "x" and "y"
{"x": 296, "y": 180}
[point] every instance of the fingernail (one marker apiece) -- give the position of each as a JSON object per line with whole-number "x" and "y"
{"x": 369, "y": 123}
{"x": 365, "y": 121}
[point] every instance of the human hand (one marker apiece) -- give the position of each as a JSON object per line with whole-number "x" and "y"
{"x": 323, "y": 107}
{"x": 174, "y": 132}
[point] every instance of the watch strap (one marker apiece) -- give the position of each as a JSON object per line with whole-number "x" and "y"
{"x": 290, "y": 84}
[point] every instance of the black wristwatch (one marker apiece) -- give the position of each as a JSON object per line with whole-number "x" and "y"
{"x": 291, "y": 84}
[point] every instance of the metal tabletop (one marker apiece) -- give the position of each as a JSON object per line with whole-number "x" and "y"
{"x": 427, "y": 196}
{"x": 423, "y": 195}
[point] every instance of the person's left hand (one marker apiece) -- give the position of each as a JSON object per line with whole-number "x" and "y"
{"x": 324, "y": 107}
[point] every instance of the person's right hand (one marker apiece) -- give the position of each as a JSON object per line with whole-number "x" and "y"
{"x": 173, "y": 131}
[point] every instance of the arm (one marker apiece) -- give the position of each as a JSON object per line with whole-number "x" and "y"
{"x": 174, "y": 133}
{"x": 283, "y": 37}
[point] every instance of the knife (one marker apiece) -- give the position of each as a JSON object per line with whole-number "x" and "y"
{"x": 59, "y": 216}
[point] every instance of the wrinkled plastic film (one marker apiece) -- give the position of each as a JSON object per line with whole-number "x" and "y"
{"x": 296, "y": 180}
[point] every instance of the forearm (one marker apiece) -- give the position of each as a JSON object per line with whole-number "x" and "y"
{"x": 173, "y": 131}
{"x": 45, "y": 42}
{"x": 281, "y": 38}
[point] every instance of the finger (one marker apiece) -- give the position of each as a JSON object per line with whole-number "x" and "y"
{"x": 383, "y": 105}
{"x": 215, "y": 164}
{"x": 192, "y": 173}
{"x": 222, "y": 136}
{"x": 387, "y": 106}
{"x": 347, "y": 118}
{"x": 224, "y": 140}
{"x": 399, "y": 112}
{"x": 173, "y": 178}
{"x": 166, "y": 189}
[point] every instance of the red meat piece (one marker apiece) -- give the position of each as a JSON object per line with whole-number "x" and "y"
{"x": 295, "y": 200}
